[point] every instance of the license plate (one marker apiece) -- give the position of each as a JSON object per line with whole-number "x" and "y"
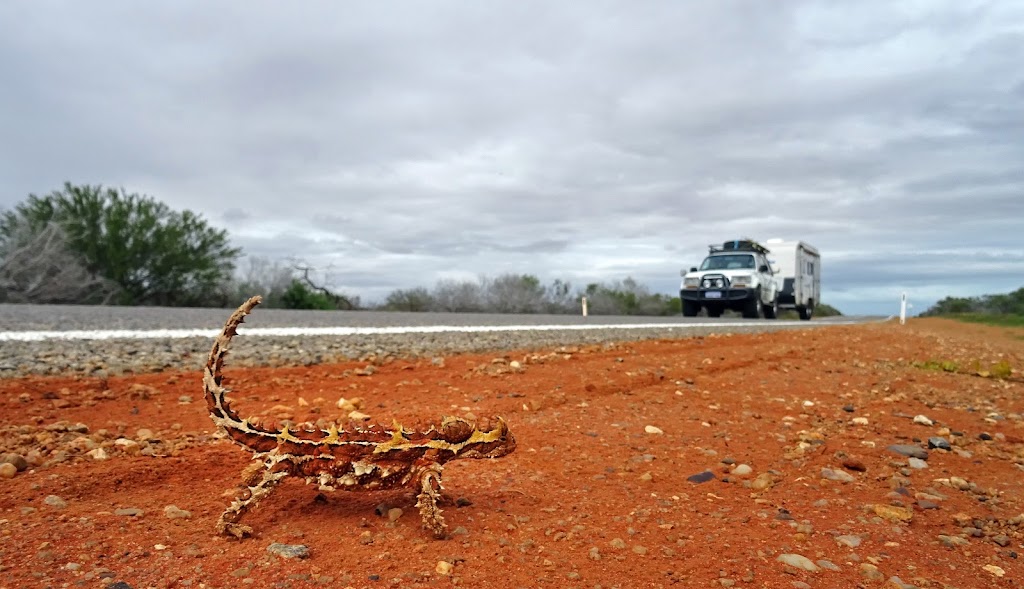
{"x": 713, "y": 294}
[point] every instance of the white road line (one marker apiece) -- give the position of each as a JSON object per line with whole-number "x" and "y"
{"x": 39, "y": 336}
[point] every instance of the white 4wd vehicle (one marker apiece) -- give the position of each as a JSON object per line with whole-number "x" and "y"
{"x": 736, "y": 275}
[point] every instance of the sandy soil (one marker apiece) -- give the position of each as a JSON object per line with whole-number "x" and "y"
{"x": 120, "y": 481}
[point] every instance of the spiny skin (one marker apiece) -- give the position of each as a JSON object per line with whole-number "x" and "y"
{"x": 358, "y": 460}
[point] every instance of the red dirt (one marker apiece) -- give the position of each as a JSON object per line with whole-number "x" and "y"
{"x": 589, "y": 498}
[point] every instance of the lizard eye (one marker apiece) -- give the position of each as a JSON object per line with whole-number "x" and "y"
{"x": 455, "y": 430}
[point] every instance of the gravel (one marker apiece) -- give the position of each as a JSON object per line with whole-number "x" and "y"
{"x": 106, "y": 357}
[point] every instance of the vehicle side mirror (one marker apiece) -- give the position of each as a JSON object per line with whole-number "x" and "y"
{"x": 763, "y": 268}
{"x": 694, "y": 269}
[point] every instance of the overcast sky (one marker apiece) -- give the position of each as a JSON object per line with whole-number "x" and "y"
{"x": 397, "y": 143}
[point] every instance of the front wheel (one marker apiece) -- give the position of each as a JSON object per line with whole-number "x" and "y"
{"x": 772, "y": 311}
{"x": 690, "y": 308}
{"x": 805, "y": 312}
{"x": 754, "y": 307}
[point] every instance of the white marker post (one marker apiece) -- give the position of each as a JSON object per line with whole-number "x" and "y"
{"x": 903, "y": 308}
{"x": 584, "y": 306}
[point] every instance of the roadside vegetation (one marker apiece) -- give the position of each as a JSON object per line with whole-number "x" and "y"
{"x": 1005, "y": 310}
{"x": 96, "y": 245}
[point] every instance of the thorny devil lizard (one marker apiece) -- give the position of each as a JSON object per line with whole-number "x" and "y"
{"x": 374, "y": 458}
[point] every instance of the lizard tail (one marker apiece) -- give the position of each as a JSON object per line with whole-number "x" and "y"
{"x": 218, "y": 405}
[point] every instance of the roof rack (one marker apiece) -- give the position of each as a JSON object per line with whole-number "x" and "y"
{"x": 739, "y": 245}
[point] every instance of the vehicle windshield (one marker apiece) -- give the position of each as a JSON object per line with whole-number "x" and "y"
{"x": 729, "y": 262}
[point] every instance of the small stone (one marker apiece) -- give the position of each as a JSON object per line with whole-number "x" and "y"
{"x": 742, "y": 470}
{"x": 653, "y": 430}
{"x": 870, "y": 572}
{"x": 828, "y": 565}
{"x": 19, "y": 461}
{"x": 55, "y": 501}
{"x": 173, "y": 512}
{"x": 798, "y": 561}
{"x": 443, "y": 568}
{"x": 366, "y": 538}
{"x": 617, "y": 543}
{"x": 922, "y": 420}
{"x": 859, "y": 421}
{"x": 909, "y": 450}
{"x": 98, "y": 454}
{"x": 849, "y": 540}
{"x": 144, "y": 434}
{"x": 952, "y": 541}
{"x": 641, "y": 550}
{"x": 394, "y": 513}
{"x": 939, "y": 443}
{"x": 594, "y": 553}
{"x": 358, "y": 416}
{"x": 129, "y": 512}
{"x": 1002, "y": 540}
{"x": 917, "y": 463}
{"x": 849, "y": 408}
{"x": 997, "y": 571}
{"x": 985, "y": 437}
{"x": 836, "y": 475}
{"x": 762, "y": 482}
{"x": 8, "y": 470}
{"x": 701, "y": 477}
{"x": 289, "y": 550}
{"x": 854, "y": 464}
{"x": 647, "y": 477}
{"x": 893, "y": 513}
{"x": 959, "y": 483}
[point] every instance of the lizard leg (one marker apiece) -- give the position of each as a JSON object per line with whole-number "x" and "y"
{"x": 252, "y": 493}
{"x": 426, "y": 501}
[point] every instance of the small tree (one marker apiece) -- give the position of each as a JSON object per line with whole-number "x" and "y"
{"x": 155, "y": 255}
{"x": 413, "y": 299}
{"x": 299, "y": 296}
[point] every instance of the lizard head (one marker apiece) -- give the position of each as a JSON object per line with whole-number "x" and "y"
{"x": 471, "y": 442}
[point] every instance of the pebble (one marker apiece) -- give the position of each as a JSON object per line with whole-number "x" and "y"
{"x": 871, "y": 572}
{"x": 909, "y": 450}
{"x": 174, "y": 512}
{"x": 859, "y": 421}
{"x": 289, "y": 550}
{"x": 443, "y": 567}
{"x": 618, "y": 543}
{"x": 939, "y": 443}
{"x": 836, "y": 475}
{"x": 650, "y": 429}
{"x": 849, "y": 540}
{"x": 917, "y": 463}
{"x": 798, "y": 561}
{"x": 922, "y": 420}
{"x": 17, "y": 460}
{"x": 8, "y": 470}
{"x": 742, "y": 470}
{"x": 893, "y": 513}
{"x": 828, "y": 565}
{"x": 55, "y": 501}
{"x": 952, "y": 541}
{"x": 701, "y": 477}
{"x": 394, "y": 513}
{"x": 129, "y": 511}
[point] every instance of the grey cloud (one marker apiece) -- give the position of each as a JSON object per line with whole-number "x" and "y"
{"x": 579, "y": 139}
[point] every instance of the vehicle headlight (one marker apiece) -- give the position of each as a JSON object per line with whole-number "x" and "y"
{"x": 741, "y": 280}
{"x": 691, "y": 282}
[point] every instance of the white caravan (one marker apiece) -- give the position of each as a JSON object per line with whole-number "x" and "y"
{"x": 798, "y": 266}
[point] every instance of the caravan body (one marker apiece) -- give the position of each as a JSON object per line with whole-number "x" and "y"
{"x": 798, "y": 267}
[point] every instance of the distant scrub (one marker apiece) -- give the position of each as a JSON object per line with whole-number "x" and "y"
{"x": 1003, "y": 309}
